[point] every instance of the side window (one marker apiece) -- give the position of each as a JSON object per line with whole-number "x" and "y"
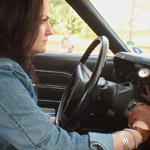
{"x": 71, "y": 33}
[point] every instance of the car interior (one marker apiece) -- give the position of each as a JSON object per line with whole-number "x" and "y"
{"x": 93, "y": 89}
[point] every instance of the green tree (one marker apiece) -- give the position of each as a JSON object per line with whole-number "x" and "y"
{"x": 63, "y": 19}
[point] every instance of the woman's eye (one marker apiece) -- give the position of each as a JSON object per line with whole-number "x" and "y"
{"x": 42, "y": 21}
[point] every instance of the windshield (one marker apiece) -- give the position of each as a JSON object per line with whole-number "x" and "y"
{"x": 130, "y": 20}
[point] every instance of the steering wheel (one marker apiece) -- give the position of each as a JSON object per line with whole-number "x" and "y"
{"x": 76, "y": 99}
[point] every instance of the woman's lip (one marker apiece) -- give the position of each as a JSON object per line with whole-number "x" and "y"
{"x": 45, "y": 40}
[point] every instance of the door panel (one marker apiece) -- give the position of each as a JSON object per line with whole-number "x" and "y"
{"x": 54, "y": 71}
{"x": 51, "y": 86}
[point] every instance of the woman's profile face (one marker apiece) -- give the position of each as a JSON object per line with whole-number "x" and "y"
{"x": 44, "y": 31}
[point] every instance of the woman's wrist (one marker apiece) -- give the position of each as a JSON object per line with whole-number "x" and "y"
{"x": 127, "y": 139}
{"x": 138, "y": 136}
{"x": 52, "y": 119}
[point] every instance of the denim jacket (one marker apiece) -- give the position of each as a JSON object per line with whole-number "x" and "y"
{"x": 24, "y": 126}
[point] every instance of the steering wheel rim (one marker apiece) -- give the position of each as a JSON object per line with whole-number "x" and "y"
{"x": 87, "y": 88}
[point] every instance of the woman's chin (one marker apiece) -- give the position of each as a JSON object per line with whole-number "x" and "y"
{"x": 33, "y": 52}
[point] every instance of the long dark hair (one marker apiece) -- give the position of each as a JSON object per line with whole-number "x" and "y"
{"x": 19, "y": 25}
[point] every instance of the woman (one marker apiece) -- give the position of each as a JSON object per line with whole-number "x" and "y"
{"x": 24, "y": 30}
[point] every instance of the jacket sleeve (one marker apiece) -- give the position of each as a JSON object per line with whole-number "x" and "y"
{"x": 26, "y": 127}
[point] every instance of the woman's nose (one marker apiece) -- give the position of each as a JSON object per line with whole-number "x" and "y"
{"x": 49, "y": 30}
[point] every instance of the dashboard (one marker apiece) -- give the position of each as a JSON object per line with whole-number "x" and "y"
{"x": 134, "y": 68}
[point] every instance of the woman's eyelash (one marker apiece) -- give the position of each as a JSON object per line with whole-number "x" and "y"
{"x": 43, "y": 20}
